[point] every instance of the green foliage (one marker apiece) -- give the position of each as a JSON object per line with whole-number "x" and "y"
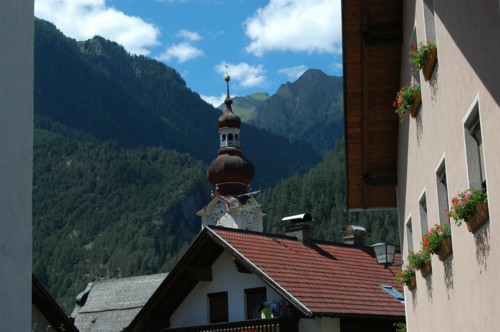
{"x": 102, "y": 211}
{"x": 400, "y": 327}
{"x": 418, "y": 55}
{"x": 321, "y": 192}
{"x": 403, "y": 277}
{"x": 434, "y": 238}
{"x": 404, "y": 99}
{"x": 417, "y": 259}
{"x": 463, "y": 205}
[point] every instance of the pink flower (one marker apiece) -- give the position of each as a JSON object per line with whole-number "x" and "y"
{"x": 468, "y": 194}
{"x": 441, "y": 233}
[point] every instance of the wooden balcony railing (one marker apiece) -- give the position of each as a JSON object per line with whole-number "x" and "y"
{"x": 254, "y": 325}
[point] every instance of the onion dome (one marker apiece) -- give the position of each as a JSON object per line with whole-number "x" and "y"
{"x": 230, "y": 172}
{"x": 229, "y": 119}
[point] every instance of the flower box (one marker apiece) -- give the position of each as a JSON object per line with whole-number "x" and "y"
{"x": 426, "y": 269}
{"x": 478, "y": 218}
{"x": 445, "y": 250}
{"x": 411, "y": 283}
{"x": 408, "y": 99}
{"x": 470, "y": 206}
{"x": 430, "y": 63}
{"x": 415, "y": 106}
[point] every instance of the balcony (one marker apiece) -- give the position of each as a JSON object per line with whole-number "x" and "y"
{"x": 254, "y": 325}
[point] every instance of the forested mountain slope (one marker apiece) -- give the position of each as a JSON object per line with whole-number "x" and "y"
{"x": 103, "y": 211}
{"x": 120, "y": 155}
{"x": 321, "y": 192}
{"x": 309, "y": 109}
{"x": 97, "y": 88}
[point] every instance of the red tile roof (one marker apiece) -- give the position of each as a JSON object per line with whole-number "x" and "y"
{"x": 324, "y": 278}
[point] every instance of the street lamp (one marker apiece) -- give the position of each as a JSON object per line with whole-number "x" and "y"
{"x": 384, "y": 253}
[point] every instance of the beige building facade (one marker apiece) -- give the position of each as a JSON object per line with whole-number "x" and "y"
{"x": 451, "y": 145}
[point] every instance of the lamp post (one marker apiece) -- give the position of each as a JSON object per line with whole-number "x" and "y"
{"x": 384, "y": 253}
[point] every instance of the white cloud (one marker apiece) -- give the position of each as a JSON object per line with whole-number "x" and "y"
{"x": 182, "y": 51}
{"x": 83, "y": 19}
{"x": 293, "y": 72}
{"x": 296, "y": 25}
{"x": 189, "y": 35}
{"x": 214, "y": 100}
{"x": 338, "y": 66}
{"x": 243, "y": 74}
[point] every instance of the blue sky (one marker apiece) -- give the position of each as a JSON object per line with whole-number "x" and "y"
{"x": 264, "y": 43}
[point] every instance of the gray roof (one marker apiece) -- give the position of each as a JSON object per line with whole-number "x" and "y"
{"x": 112, "y": 304}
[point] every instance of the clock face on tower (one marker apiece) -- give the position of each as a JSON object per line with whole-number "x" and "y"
{"x": 248, "y": 218}
{"x": 217, "y": 212}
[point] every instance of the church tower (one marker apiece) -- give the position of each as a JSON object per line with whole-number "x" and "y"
{"x": 232, "y": 205}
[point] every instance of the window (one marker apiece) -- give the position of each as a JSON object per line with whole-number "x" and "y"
{"x": 424, "y": 223}
{"x": 442, "y": 193}
{"x": 474, "y": 150}
{"x": 415, "y": 76}
{"x": 391, "y": 290}
{"x": 255, "y": 297}
{"x": 218, "y": 307}
{"x": 430, "y": 25}
{"x": 409, "y": 235}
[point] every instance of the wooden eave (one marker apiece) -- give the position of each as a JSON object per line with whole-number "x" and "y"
{"x": 48, "y": 307}
{"x": 372, "y": 37}
{"x": 194, "y": 266}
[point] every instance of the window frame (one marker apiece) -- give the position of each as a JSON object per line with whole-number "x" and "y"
{"x": 213, "y": 301}
{"x": 248, "y": 306}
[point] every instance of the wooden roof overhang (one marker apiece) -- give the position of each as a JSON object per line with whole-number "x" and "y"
{"x": 194, "y": 266}
{"x": 372, "y": 38}
{"x": 49, "y": 307}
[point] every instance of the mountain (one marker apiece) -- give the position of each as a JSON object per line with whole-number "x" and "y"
{"x": 309, "y": 109}
{"x": 121, "y": 147}
{"x": 98, "y": 89}
{"x": 120, "y": 154}
{"x": 244, "y": 106}
{"x": 105, "y": 211}
{"x": 321, "y": 192}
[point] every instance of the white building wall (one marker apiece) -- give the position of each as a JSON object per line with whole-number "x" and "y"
{"x": 16, "y": 142}
{"x": 320, "y": 324}
{"x": 225, "y": 278}
{"x": 462, "y": 293}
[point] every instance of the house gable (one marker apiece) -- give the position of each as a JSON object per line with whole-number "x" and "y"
{"x": 317, "y": 280}
{"x": 226, "y": 278}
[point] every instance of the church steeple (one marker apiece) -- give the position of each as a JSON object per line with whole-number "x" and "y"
{"x": 231, "y": 204}
{"x": 230, "y": 172}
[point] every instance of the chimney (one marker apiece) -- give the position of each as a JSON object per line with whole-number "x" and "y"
{"x": 298, "y": 226}
{"x": 354, "y": 235}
